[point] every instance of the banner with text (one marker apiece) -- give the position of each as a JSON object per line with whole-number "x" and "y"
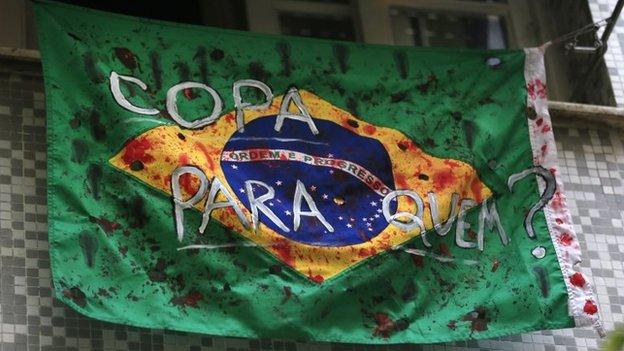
{"x": 249, "y": 185}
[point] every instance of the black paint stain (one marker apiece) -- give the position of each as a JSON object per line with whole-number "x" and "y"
{"x": 542, "y": 279}
{"x": 89, "y": 244}
{"x": 184, "y": 73}
{"x": 75, "y": 122}
{"x": 156, "y": 69}
{"x": 485, "y": 101}
{"x": 275, "y": 269}
{"x": 352, "y": 106}
{"x": 126, "y": 57}
{"x": 284, "y": 51}
{"x": 531, "y": 113}
{"x": 341, "y": 52}
{"x": 76, "y": 295}
{"x": 136, "y": 211}
{"x": 90, "y": 66}
{"x": 478, "y": 318}
{"x": 74, "y": 36}
{"x": 94, "y": 177}
{"x": 201, "y": 56}
{"x": 257, "y": 71}
{"x": 409, "y": 291}
{"x": 137, "y": 165}
{"x": 432, "y": 80}
{"x": 402, "y": 66}
{"x": 158, "y": 274}
{"x": 398, "y": 97}
{"x": 217, "y": 55}
{"x": 469, "y": 129}
{"x": 98, "y": 130}
{"x": 80, "y": 150}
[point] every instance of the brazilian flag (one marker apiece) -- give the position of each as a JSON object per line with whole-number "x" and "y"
{"x": 259, "y": 186}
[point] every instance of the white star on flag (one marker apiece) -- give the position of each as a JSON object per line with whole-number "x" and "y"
{"x": 325, "y": 196}
{"x": 340, "y": 218}
{"x": 349, "y": 225}
{"x": 271, "y": 204}
{"x": 241, "y": 190}
{"x": 278, "y": 183}
{"x": 373, "y": 203}
{"x": 234, "y": 167}
{"x": 312, "y": 188}
{"x": 287, "y": 213}
{"x": 330, "y": 155}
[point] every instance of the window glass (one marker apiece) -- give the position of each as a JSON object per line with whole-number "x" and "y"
{"x": 448, "y": 29}
{"x": 317, "y": 25}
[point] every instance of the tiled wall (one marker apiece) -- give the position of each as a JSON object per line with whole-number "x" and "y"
{"x": 614, "y": 57}
{"x": 592, "y": 160}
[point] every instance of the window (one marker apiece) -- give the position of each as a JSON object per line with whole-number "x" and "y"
{"x": 448, "y": 29}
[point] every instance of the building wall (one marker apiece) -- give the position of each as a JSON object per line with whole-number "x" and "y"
{"x": 614, "y": 57}
{"x": 592, "y": 160}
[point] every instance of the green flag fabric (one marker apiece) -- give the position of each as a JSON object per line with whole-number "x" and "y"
{"x": 249, "y": 185}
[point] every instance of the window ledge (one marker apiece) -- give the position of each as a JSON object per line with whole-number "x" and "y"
{"x": 20, "y": 54}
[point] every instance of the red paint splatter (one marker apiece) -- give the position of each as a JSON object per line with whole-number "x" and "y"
{"x": 559, "y": 220}
{"x": 452, "y": 324}
{"x": 539, "y": 121}
{"x": 536, "y": 88}
{"x": 566, "y": 239}
{"x": 363, "y": 252}
{"x": 472, "y": 235}
{"x": 401, "y": 182}
{"x": 546, "y": 128}
{"x": 184, "y": 160}
{"x": 478, "y": 318}
{"x": 229, "y": 118}
{"x": 287, "y": 294}
{"x": 192, "y": 298}
{"x": 443, "y": 179}
{"x": 495, "y": 264}
{"x": 206, "y": 153}
{"x": 385, "y": 325}
{"x": 557, "y": 201}
{"x": 475, "y": 186}
{"x": 126, "y": 57}
{"x": 418, "y": 260}
{"x": 188, "y": 94}
{"x": 544, "y": 148}
{"x": 369, "y": 129}
{"x": 577, "y": 280}
{"x": 444, "y": 250}
{"x": 136, "y": 149}
{"x": 451, "y": 163}
{"x": 316, "y": 278}
{"x": 283, "y": 249}
{"x": 107, "y": 225}
{"x": 186, "y": 181}
{"x": 590, "y": 307}
{"x": 123, "y": 250}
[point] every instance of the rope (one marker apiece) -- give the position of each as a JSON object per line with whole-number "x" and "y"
{"x": 592, "y": 27}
